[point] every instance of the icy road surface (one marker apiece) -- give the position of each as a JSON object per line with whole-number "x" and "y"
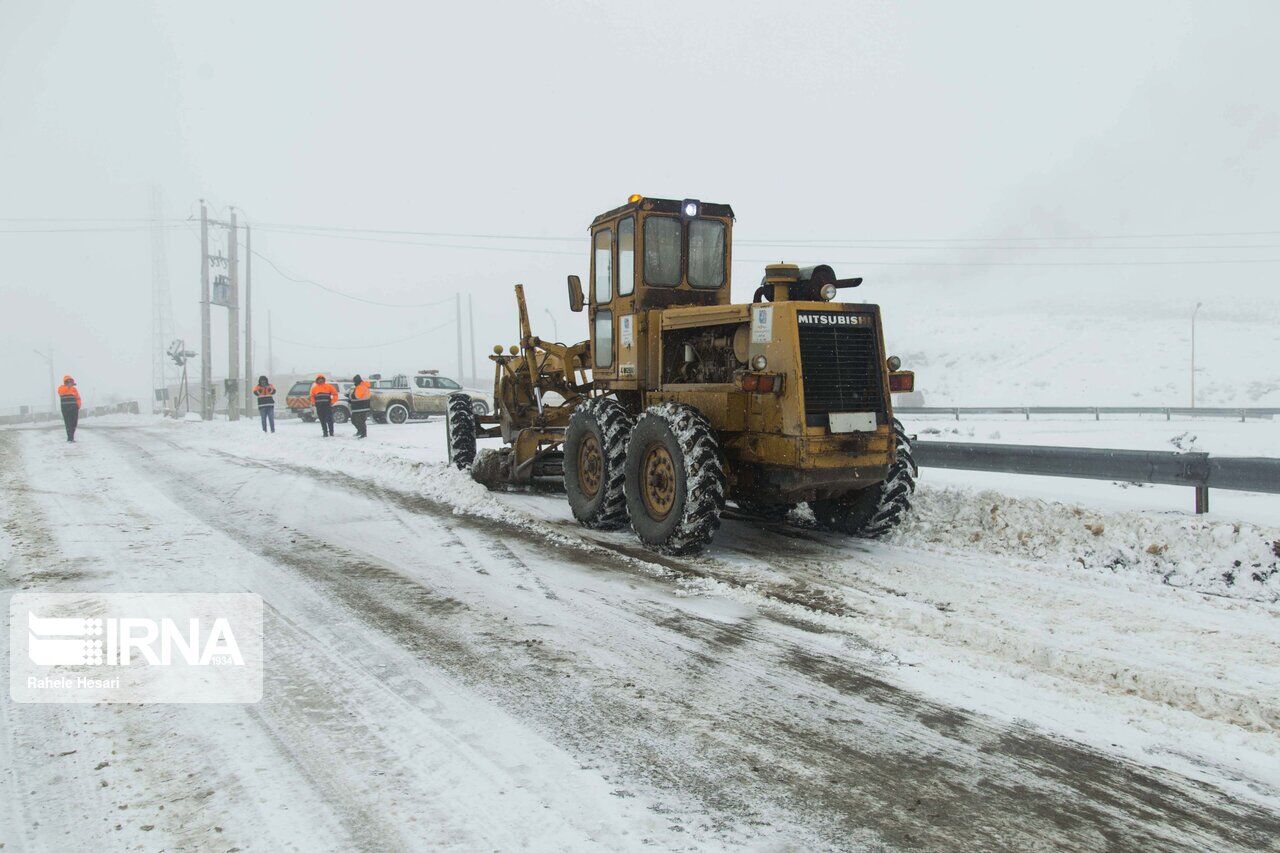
{"x": 447, "y": 668}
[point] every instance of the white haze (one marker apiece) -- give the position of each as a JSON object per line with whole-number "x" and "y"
{"x": 853, "y": 121}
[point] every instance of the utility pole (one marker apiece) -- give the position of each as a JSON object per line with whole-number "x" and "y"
{"x": 233, "y": 322}
{"x": 206, "y": 369}
{"x": 471, "y": 335}
{"x": 53, "y": 385}
{"x": 457, "y": 303}
{"x": 248, "y": 321}
{"x": 1193, "y": 353}
{"x": 161, "y": 306}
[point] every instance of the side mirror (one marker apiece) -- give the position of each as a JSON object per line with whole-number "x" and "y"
{"x": 575, "y": 293}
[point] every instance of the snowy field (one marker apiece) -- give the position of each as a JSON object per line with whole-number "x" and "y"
{"x": 1028, "y": 662}
{"x": 1101, "y": 346}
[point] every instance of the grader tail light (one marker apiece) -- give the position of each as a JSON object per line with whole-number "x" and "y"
{"x": 762, "y": 383}
{"x": 902, "y": 381}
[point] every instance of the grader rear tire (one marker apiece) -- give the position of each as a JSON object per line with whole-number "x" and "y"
{"x": 675, "y": 481}
{"x": 460, "y": 431}
{"x": 876, "y": 510}
{"x": 595, "y": 450}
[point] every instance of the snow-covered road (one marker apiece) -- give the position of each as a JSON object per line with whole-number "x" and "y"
{"x": 447, "y": 668}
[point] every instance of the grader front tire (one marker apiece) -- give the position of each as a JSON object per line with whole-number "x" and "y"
{"x": 675, "y": 480}
{"x": 595, "y": 450}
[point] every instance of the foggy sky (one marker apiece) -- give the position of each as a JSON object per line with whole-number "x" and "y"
{"x": 853, "y": 121}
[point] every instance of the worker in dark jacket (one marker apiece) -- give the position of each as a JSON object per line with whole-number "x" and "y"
{"x": 323, "y": 396}
{"x": 69, "y": 401}
{"x": 266, "y": 394}
{"x": 358, "y": 397}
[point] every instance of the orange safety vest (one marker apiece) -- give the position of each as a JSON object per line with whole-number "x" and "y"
{"x": 359, "y": 396}
{"x": 69, "y": 395}
{"x": 266, "y": 395}
{"x": 325, "y": 393}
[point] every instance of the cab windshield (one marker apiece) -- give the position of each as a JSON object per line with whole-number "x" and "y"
{"x": 664, "y": 240}
{"x": 662, "y": 251}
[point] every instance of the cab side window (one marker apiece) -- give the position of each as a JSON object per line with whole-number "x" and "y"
{"x": 424, "y": 381}
{"x": 602, "y": 333}
{"x": 626, "y": 256}
{"x": 441, "y": 382}
{"x": 602, "y": 265}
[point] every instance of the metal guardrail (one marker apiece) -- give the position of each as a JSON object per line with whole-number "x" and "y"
{"x": 33, "y": 415}
{"x": 1199, "y": 471}
{"x": 1169, "y": 412}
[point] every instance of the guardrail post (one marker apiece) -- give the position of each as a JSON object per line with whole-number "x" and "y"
{"x": 1096, "y": 416}
{"x": 956, "y": 412}
{"x": 1027, "y": 412}
{"x": 1202, "y": 500}
{"x": 1242, "y": 414}
{"x": 1167, "y": 416}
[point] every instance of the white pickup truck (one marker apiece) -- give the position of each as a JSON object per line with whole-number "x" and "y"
{"x": 402, "y": 397}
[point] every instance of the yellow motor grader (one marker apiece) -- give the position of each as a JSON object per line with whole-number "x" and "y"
{"x": 680, "y": 400}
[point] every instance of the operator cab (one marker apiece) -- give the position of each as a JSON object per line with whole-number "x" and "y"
{"x": 650, "y": 253}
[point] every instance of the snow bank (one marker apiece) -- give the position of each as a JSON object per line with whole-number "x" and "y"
{"x": 1235, "y": 560}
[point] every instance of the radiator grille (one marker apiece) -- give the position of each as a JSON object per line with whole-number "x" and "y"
{"x": 841, "y": 367}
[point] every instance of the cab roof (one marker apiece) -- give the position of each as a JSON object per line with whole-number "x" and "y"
{"x": 663, "y": 205}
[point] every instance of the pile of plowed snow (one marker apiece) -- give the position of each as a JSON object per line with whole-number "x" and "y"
{"x": 1237, "y": 560}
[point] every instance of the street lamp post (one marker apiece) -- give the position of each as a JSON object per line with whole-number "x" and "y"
{"x": 1193, "y": 353}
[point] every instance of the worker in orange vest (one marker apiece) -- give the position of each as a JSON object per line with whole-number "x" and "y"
{"x": 323, "y": 396}
{"x": 359, "y": 398}
{"x": 69, "y": 399}
{"x": 266, "y": 394}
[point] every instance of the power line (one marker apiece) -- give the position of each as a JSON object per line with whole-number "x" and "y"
{"x": 852, "y": 242}
{"x": 868, "y": 242}
{"x": 844, "y": 261}
{"x": 345, "y": 236}
{"x": 332, "y": 290}
{"x": 103, "y": 230}
{"x": 344, "y": 294}
{"x": 89, "y": 219}
{"x": 408, "y": 233}
{"x": 367, "y": 346}
{"x": 759, "y": 243}
{"x": 951, "y": 248}
{"x": 899, "y": 244}
{"x": 1083, "y": 238}
{"x": 868, "y": 263}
